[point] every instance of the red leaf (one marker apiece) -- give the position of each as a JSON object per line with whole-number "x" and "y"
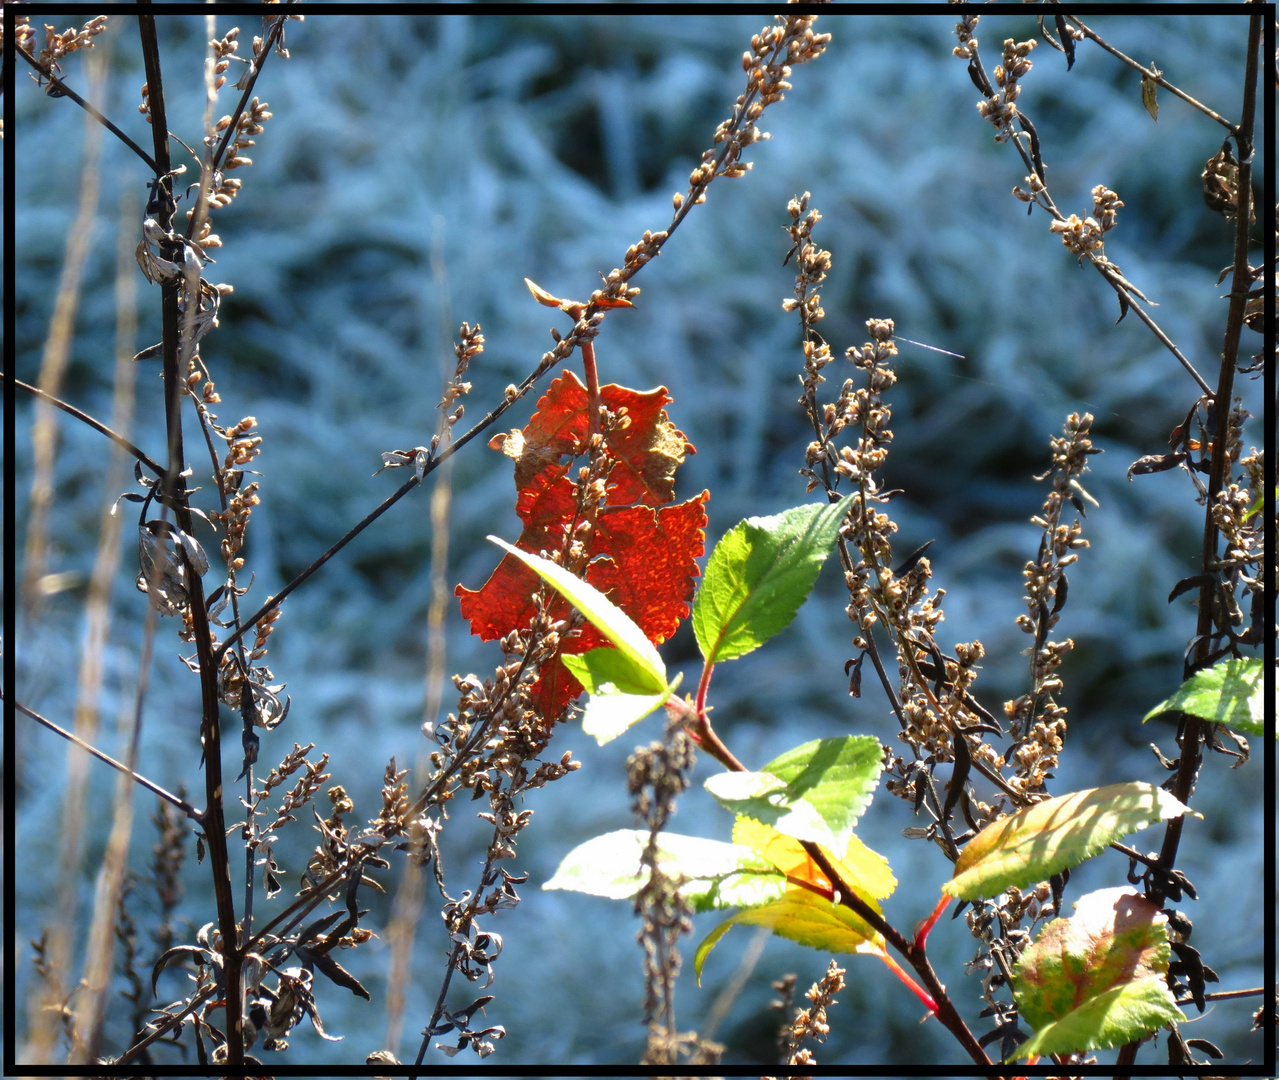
{"x": 643, "y": 553}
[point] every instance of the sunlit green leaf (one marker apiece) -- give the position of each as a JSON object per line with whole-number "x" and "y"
{"x": 758, "y": 576}
{"x": 617, "y": 688}
{"x": 607, "y": 716}
{"x": 644, "y": 669}
{"x": 716, "y": 875}
{"x": 865, "y": 871}
{"x": 816, "y": 791}
{"x": 1232, "y": 692}
{"x": 803, "y": 917}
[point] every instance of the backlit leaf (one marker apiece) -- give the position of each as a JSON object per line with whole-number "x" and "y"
{"x": 864, "y": 870}
{"x": 643, "y": 554}
{"x": 803, "y": 917}
{"x": 816, "y": 791}
{"x": 1232, "y": 692}
{"x": 716, "y": 875}
{"x": 1033, "y": 844}
{"x": 642, "y": 666}
{"x": 608, "y": 715}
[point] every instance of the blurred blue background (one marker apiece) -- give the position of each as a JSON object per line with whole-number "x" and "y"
{"x": 415, "y": 171}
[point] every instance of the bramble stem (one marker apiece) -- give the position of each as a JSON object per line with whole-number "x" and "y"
{"x": 923, "y": 929}
{"x": 916, "y": 989}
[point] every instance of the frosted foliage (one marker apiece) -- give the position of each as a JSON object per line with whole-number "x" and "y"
{"x": 415, "y": 171}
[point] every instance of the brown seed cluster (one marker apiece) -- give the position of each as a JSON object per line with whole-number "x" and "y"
{"x": 813, "y": 1022}
{"x": 1038, "y": 723}
{"x": 57, "y": 45}
{"x": 1000, "y": 109}
{"x": 1084, "y": 237}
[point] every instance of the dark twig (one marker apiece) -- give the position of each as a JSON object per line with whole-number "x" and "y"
{"x": 1190, "y": 735}
{"x": 97, "y": 425}
{"x": 1155, "y": 76}
{"x": 155, "y": 788}
{"x": 65, "y": 91}
{"x": 174, "y": 486}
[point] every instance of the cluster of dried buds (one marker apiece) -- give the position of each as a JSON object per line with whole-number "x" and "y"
{"x": 999, "y": 108}
{"x": 57, "y": 45}
{"x": 1038, "y": 723}
{"x": 1084, "y": 237}
{"x": 773, "y": 52}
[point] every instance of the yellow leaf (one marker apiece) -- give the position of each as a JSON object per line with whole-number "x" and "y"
{"x": 865, "y": 870}
{"x": 806, "y": 918}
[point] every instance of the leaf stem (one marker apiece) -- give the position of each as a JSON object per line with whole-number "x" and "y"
{"x": 703, "y": 685}
{"x": 924, "y": 928}
{"x": 698, "y": 724}
{"x": 943, "y": 1007}
{"x": 916, "y": 989}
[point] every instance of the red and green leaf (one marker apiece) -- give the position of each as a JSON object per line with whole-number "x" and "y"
{"x": 1096, "y": 980}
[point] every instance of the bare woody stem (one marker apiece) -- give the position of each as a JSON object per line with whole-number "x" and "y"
{"x": 174, "y": 486}
{"x": 186, "y": 808}
{"x": 914, "y": 954}
{"x": 97, "y": 425}
{"x": 592, "y": 384}
{"x": 1191, "y": 733}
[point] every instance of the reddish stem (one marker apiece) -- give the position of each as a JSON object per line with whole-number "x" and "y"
{"x": 699, "y": 727}
{"x": 827, "y": 893}
{"x": 916, "y": 989}
{"x": 923, "y": 929}
{"x": 703, "y": 685}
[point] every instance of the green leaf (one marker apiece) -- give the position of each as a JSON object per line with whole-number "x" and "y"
{"x": 645, "y": 669}
{"x": 816, "y": 791}
{"x": 1096, "y": 980}
{"x": 597, "y": 669}
{"x": 717, "y": 875}
{"x": 1033, "y": 844}
{"x": 1258, "y": 504}
{"x": 1230, "y": 693}
{"x": 607, "y": 716}
{"x": 758, "y": 576}
{"x": 619, "y": 696}
{"x": 806, "y": 918}
{"x": 617, "y": 700}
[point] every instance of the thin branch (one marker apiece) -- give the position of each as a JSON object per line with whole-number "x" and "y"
{"x": 189, "y": 810}
{"x": 1190, "y": 734}
{"x": 946, "y": 1013}
{"x": 170, "y": 1021}
{"x": 63, "y": 90}
{"x": 1113, "y": 278}
{"x": 255, "y": 69}
{"x": 1228, "y": 995}
{"x": 174, "y": 486}
{"x": 97, "y": 425}
{"x": 1155, "y": 76}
